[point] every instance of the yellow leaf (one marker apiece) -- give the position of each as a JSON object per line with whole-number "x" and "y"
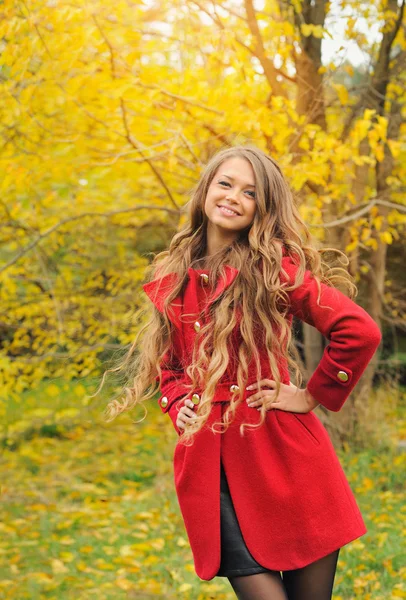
{"x": 342, "y": 93}
{"x": 52, "y": 390}
{"x": 381, "y": 127}
{"x": 369, "y": 113}
{"x": 58, "y": 566}
{"x": 398, "y": 594}
{"x": 145, "y": 515}
{"x": 181, "y": 542}
{"x": 39, "y": 412}
{"x": 79, "y": 390}
{"x": 379, "y": 153}
{"x": 366, "y": 234}
{"x": 67, "y": 413}
{"x": 67, "y": 556}
{"x": 367, "y": 483}
{"x": 394, "y": 147}
{"x": 386, "y": 237}
{"x": 372, "y": 243}
{"x": 124, "y": 584}
{"x": 157, "y": 544}
{"x": 82, "y": 566}
{"x": 309, "y": 29}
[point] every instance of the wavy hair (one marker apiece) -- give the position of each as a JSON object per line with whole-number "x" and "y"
{"x": 256, "y": 301}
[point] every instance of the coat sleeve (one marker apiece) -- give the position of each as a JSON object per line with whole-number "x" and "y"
{"x": 353, "y": 336}
{"x": 172, "y": 384}
{"x": 172, "y": 388}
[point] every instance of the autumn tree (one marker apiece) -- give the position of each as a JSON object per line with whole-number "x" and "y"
{"x": 110, "y": 110}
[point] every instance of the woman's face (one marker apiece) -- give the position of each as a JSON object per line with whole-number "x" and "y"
{"x": 233, "y": 186}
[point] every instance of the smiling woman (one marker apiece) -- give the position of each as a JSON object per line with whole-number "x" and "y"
{"x": 262, "y": 493}
{"x": 230, "y": 203}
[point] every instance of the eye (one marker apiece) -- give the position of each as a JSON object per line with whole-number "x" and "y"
{"x": 252, "y": 194}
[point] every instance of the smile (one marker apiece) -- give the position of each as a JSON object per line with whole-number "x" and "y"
{"x": 226, "y": 211}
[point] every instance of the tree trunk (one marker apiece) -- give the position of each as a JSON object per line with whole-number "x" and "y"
{"x": 377, "y": 99}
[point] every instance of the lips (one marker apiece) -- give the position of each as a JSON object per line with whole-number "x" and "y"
{"x": 228, "y": 208}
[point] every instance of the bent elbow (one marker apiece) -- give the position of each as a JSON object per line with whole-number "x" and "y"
{"x": 375, "y": 335}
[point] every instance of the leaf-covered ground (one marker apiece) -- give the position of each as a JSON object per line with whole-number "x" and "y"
{"x": 89, "y": 510}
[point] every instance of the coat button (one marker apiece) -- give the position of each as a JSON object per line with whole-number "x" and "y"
{"x": 164, "y": 401}
{"x": 342, "y": 376}
{"x": 195, "y": 398}
{"x": 197, "y": 326}
{"x": 234, "y": 387}
{"x": 204, "y": 278}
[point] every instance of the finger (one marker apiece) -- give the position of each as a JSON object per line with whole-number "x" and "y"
{"x": 254, "y": 403}
{"x": 257, "y": 398}
{"x": 260, "y": 397}
{"x": 184, "y": 420}
{"x": 189, "y": 403}
{"x": 187, "y": 420}
{"x": 269, "y": 382}
{"x": 254, "y": 385}
{"x": 188, "y": 412}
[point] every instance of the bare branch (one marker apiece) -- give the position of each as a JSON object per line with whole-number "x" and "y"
{"x": 181, "y": 98}
{"x": 136, "y": 145}
{"x": 361, "y": 212}
{"x": 60, "y": 224}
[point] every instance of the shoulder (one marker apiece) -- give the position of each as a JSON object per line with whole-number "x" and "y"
{"x": 287, "y": 266}
{"x": 290, "y": 265}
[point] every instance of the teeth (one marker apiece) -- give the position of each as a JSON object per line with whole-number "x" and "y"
{"x": 230, "y": 212}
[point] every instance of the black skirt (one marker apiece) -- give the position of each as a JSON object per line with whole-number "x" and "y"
{"x": 236, "y": 559}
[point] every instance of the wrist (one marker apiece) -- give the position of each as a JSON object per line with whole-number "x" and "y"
{"x": 311, "y": 403}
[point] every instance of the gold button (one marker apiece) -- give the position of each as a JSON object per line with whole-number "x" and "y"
{"x": 234, "y": 387}
{"x": 205, "y": 278}
{"x": 164, "y": 401}
{"x": 197, "y": 326}
{"x": 195, "y": 398}
{"x": 342, "y": 376}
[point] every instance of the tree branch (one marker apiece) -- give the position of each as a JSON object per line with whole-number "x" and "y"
{"x": 60, "y": 224}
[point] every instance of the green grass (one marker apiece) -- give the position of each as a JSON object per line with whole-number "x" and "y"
{"x": 89, "y": 510}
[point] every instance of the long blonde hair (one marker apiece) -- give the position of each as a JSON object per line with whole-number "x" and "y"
{"x": 256, "y": 295}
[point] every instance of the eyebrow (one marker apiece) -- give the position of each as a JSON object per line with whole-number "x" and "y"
{"x": 232, "y": 178}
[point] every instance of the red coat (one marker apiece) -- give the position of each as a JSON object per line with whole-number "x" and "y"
{"x": 291, "y": 497}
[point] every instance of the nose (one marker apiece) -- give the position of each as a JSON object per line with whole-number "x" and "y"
{"x": 230, "y": 196}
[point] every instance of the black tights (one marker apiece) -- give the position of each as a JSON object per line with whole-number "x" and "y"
{"x": 313, "y": 582}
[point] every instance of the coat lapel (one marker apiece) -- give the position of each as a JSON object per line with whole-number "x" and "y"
{"x": 159, "y": 288}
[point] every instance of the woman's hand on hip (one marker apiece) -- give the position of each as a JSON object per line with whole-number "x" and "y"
{"x": 290, "y": 399}
{"x": 185, "y": 414}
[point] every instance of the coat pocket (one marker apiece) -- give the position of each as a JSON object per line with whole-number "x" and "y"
{"x": 305, "y": 420}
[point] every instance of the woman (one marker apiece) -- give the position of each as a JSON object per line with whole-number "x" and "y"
{"x": 263, "y": 496}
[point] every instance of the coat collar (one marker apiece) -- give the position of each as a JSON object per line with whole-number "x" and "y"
{"x": 159, "y": 288}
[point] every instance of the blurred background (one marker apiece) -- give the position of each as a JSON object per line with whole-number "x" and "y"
{"x": 108, "y": 112}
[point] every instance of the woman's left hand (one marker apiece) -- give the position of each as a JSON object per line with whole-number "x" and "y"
{"x": 290, "y": 399}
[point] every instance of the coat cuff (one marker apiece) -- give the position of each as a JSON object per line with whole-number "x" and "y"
{"x": 330, "y": 384}
{"x": 173, "y": 394}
